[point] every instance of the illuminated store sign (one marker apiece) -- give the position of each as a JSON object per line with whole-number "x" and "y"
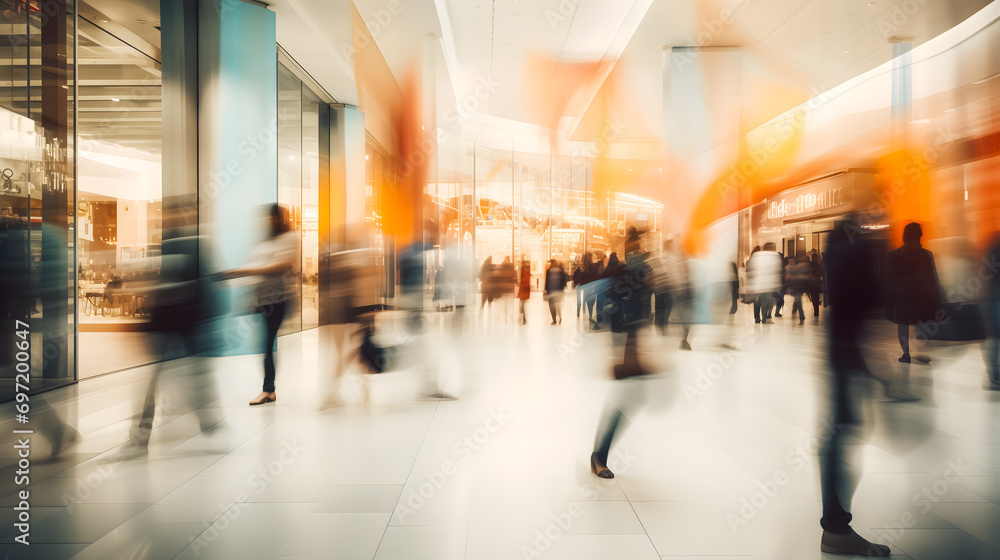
{"x": 806, "y": 203}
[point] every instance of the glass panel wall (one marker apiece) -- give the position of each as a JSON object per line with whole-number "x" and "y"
{"x": 310, "y": 208}
{"x": 290, "y": 174}
{"x": 298, "y": 191}
{"x": 120, "y": 201}
{"x": 37, "y": 190}
{"x": 535, "y": 206}
{"x": 378, "y": 174}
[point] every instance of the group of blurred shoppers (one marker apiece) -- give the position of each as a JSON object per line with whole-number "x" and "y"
{"x": 770, "y": 275}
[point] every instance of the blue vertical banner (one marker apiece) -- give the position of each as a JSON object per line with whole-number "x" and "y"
{"x": 237, "y": 147}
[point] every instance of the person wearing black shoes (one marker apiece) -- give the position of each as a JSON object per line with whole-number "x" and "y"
{"x": 629, "y": 311}
{"x": 913, "y": 291}
{"x": 851, "y": 274}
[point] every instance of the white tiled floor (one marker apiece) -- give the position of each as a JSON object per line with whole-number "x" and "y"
{"x": 502, "y": 473}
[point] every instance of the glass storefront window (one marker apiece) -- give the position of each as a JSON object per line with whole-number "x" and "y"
{"x": 310, "y": 208}
{"x": 290, "y": 173}
{"x": 120, "y": 200}
{"x": 37, "y": 188}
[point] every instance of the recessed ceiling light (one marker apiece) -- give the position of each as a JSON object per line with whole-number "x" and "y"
{"x": 115, "y": 99}
{"x": 920, "y": 121}
{"x": 952, "y": 110}
{"x": 845, "y": 52}
{"x": 870, "y": 4}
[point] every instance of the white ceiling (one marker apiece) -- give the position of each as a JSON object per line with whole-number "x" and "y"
{"x": 807, "y": 45}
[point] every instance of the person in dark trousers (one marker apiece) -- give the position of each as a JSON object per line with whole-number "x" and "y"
{"x": 593, "y": 273}
{"x": 602, "y": 287}
{"x": 816, "y": 281}
{"x": 851, "y": 274}
{"x": 523, "y": 289}
{"x": 672, "y": 289}
{"x": 555, "y": 283}
{"x": 756, "y": 298}
{"x": 182, "y": 306}
{"x": 629, "y": 311}
{"x": 913, "y": 291}
{"x": 799, "y": 281}
{"x": 993, "y": 321}
{"x": 779, "y": 294}
{"x": 273, "y": 260}
{"x": 734, "y": 289}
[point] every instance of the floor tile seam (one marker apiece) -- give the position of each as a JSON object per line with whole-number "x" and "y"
{"x": 388, "y": 522}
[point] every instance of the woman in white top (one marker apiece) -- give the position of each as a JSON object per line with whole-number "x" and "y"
{"x": 274, "y": 261}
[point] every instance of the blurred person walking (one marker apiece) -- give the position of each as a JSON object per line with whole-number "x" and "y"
{"x": 629, "y": 312}
{"x": 851, "y": 275}
{"x": 523, "y": 290}
{"x": 506, "y": 280}
{"x": 816, "y": 281}
{"x": 993, "y": 320}
{"x": 764, "y": 278}
{"x": 593, "y": 267}
{"x": 602, "y": 291}
{"x": 913, "y": 291}
{"x": 273, "y": 260}
{"x": 487, "y": 283}
{"x": 672, "y": 290}
{"x": 183, "y": 307}
{"x": 555, "y": 283}
{"x": 800, "y": 279}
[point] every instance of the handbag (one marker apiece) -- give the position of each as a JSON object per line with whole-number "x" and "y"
{"x": 377, "y": 358}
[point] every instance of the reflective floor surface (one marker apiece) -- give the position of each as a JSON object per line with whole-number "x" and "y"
{"x": 720, "y": 462}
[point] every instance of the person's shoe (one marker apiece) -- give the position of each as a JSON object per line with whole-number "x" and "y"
{"x": 441, "y": 396}
{"x": 685, "y": 345}
{"x": 802, "y": 321}
{"x": 904, "y": 359}
{"x": 768, "y": 321}
{"x": 851, "y": 543}
{"x": 778, "y": 315}
{"x": 602, "y": 471}
{"x": 924, "y": 359}
{"x": 264, "y": 397}
{"x": 553, "y": 322}
{"x": 757, "y": 321}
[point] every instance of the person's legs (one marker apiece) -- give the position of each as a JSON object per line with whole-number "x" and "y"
{"x": 606, "y": 432}
{"x": 521, "y": 315}
{"x": 579, "y": 300}
{"x": 779, "y": 302}
{"x": 590, "y": 297}
{"x": 903, "y": 333}
{"x": 757, "y": 308}
{"x": 552, "y": 307}
{"x": 273, "y": 316}
{"x": 814, "y": 296}
{"x": 766, "y": 306}
{"x": 993, "y": 345}
{"x": 659, "y": 305}
{"x": 797, "y": 306}
{"x": 559, "y": 304}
